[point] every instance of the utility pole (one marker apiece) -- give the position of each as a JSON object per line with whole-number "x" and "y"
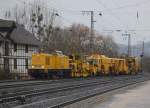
{"x": 142, "y": 55}
{"x": 92, "y": 32}
{"x": 143, "y": 48}
{"x": 91, "y": 48}
{"x": 129, "y": 43}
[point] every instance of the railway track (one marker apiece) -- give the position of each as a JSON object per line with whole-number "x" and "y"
{"x": 103, "y": 85}
{"x": 31, "y": 93}
{"x": 63, "y": 85}
{"x": 11, "y": 89}
{"x": 65, "y": 100}
{"x": 95, "y": 92}
{"x": 15, "y": 83}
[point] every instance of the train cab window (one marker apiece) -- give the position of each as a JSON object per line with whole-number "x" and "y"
{"x": 90, "y": 62}
{"x": 70, "y": 57}
{"x": 93, "y": 62}
{"x": 99, "y": 61}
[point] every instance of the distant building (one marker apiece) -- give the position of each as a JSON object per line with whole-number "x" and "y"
{"x": 16, "y": 47}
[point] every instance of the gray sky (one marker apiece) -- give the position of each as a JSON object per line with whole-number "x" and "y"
{"x": 117, "y": 14}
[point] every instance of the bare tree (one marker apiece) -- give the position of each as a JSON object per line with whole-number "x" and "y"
{"x": 41, "y": 22}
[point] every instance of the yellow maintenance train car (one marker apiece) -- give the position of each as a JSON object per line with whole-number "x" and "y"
{"x": 50, "y": 65}
{"x": 102, "y": 65}
{"x": 59, "y": 65}
{"x": 133, "y": 65}
{"x": 79, "y": 66}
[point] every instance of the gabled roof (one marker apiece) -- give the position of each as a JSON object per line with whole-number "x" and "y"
{"x": 6, "y": 25}
{"x": 22, "y": 36}
{"x": 19, "y": 34}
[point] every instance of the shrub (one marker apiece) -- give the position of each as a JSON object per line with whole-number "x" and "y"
{"x": 3, "y": 75}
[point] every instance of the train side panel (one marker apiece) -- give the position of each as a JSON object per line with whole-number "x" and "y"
{"x": 58, "y": 65}
{"x": 48, "y": 66}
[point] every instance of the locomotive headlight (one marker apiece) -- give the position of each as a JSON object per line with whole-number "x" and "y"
{"x": 42, "y": 67}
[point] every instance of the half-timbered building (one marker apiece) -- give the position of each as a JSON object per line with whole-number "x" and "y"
{"x": 16, "y": 47}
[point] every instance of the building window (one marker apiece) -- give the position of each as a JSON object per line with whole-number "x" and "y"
{"x": 15, "y": 63}
{"x": 26, "y": 48}
{"x": 0, "y": 43}
{"x": 26, "y": 62}
{"x": 15, "y": 47}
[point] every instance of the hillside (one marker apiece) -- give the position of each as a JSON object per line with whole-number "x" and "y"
{"x": 136, "y": 49}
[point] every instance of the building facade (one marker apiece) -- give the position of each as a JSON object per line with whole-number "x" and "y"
{"x": 16, "y": 49}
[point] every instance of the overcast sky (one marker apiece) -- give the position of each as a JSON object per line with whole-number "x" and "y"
{"x": 116, "y": 15}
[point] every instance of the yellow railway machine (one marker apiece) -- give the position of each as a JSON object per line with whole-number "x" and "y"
{"x": 99, "y": 65}
{"x": 80, "y": 68}
{"x": 50, "y": 65}
{"x": 102, "y": 65}
{"x": 133, "y": 65}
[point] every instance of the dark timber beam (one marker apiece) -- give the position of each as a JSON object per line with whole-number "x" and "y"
{"x": 6, "y": 27}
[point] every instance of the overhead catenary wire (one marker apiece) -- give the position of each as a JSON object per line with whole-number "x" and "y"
{"x": 79, "y": 11}
{"x": 108, "y": 9}
{"x": 104, "y": 10}
{"x": 116, "y": 17}
{"x": 129, "y": 6}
